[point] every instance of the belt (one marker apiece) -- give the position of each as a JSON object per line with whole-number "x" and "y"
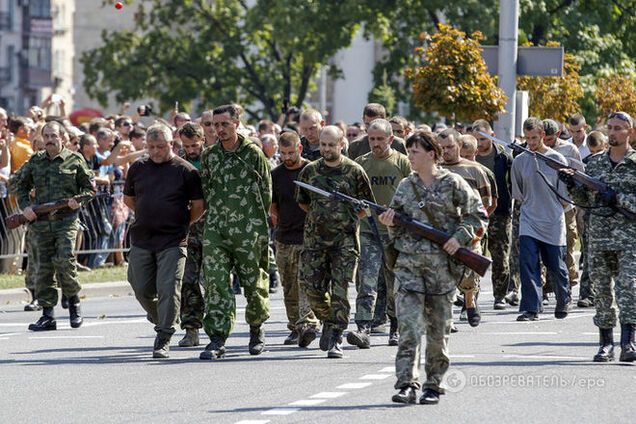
{"x": 58, "y": 216}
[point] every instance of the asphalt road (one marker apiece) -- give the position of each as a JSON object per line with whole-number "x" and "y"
{"x": 502, "y": 371}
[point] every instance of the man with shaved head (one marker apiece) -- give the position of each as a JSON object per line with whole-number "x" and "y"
{"x": 330, "y": 245}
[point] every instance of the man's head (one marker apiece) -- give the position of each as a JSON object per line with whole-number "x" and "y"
{"x": 138, "y": 138}
{"x": 265, "y": 126}
{"x": 290, "y": 149}
{"x": 484, "y": 144}
{"x": 620, "y": 129}
{"x": 87, "y": 145}
{"x": 380, "y": 137}
{"x": 423, "y": 149}
{"x": 534, "y": 133}
{"x": 354, "y": 131}
{"x": 449, "y": 142}
{"x": 181, "y": 118}
{"x": 270, "y": 145}
{"x": 208, "y": 127}
{"x": 105, "y": 139}
{"x": 123, "y": 125}
{"x": 468, "y": 147}
{"x": 159, "y": 143}
{"x": 373, "y": 111}
{"x": 400, "y": 126}
{"x": 227, "y": 119}
{"x": 577, "y": 127}
{"x": 596, "y": 142}
{"x": 96, "y": 124}
{"x": 192, "y": 137}
{"x": 552, "y": 132}
{"x": 54, "y": 137}
{"x": 331, "y": 143}
{"x": 310, "y": 125}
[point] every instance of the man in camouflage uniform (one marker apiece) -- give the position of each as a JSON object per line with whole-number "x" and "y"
{"x": 425, "y": 276}
{"x": 238, "y": 192}
{"x": 330, "y": 245}
{"x": 55, "y": 173}
{"x": 192, "y": 305}
{"x": 612, "y": 238}
{"x": 385, "y": 168}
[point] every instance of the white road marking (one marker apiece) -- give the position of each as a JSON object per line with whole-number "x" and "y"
{"x": 541, "y": 357}
{"x": 308, "y": 402}
{"x": 280, "y": 411}
{"x": 65, "y": 337}
{"x": 10, "y": 334}
{"x": 328, "y": 395}
{"x": 387, "y": 369}
{"x": 353, "y": 386}
{"x": 520, "y": 333}
{"x": 375, "y": 376}
{"x": 253, "y": 422}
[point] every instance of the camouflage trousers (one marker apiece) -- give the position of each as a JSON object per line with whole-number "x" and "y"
{"x": 53, "y": 243}
{"x": 585, "y": 287}
{"x": 325, "y": 275}
{"x": 515, "y": 278}
{"x": 192, "y": 304}
{"x": 614, "y": 277}
{"x": 223, "y": 253}
{"x": 374, "y": 261}
{"x": 299, "y": 313}
{"x": 499, "y": 240}
{"x": 419, "y": 313}
{"x": 32, "y": 261}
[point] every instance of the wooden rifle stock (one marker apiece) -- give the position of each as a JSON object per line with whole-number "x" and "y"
{"x": 15, "y": 220}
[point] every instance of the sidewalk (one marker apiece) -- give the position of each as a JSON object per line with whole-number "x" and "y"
{"x": 111, "y": 289}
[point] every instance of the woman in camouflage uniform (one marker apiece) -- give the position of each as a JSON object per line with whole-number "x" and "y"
{"x": 425, "y": 275}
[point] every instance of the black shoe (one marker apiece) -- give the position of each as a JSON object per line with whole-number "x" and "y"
{"x": 512, "y": 298}
{"x": 75, "y": 313}
{"x": 528, "y": 316}
{"x": 394, "y": 336}
{"x": 161, "y": 349}
{"x": 214, "y": 350}
{"x": 335, "y": 347}
{"x": 459, "y": 301}
{"x": 292, "y": 339}
{"x": 274, "y": 282}
{"x": 561, "y": 312}
{"x": 474, "y": 317}
{"x": 33, "y": 306}
{"x": 606, "y": 342}
{"x": 499, "y": 305}
{"x": 405, "y": 395}
{"x": 628, "y": 348}
{"x": 64, "y": 301}
{"x": 585, "y": 303}
{"x": 429, "y": 397}
{"x": 257, "y": 340}
{"x": 360, "y": 337}
{"x": 46, "y": 322}
{"x": 306, "y": 336}
{"x": 325, "y": 337}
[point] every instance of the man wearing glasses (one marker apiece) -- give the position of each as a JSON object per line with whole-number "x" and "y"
{"x": 612, "y": 237}
{"x": 208, "y": 128}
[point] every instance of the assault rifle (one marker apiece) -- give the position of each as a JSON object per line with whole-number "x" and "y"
{"x": 15, "y": 220}
{"x": 591, "y": 183}
{"x": 472, "y": 260}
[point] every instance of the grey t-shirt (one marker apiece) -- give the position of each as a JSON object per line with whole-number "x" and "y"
{"x": 541, "y": 210}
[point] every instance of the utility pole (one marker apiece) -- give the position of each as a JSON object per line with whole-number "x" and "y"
{"x": 507, "y": 72}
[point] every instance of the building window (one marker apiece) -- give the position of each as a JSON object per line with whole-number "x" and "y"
{"x": 40, "y": 8}
{"x": 40, "y": 53}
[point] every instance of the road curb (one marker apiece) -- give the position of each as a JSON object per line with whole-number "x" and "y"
{"x": 109, "y": 289}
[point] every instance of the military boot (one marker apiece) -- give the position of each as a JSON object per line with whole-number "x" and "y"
{"x": 274, "y": 282}
{"x": 64, "y": 301}
{"x": 257, "y": 340}
{"x": 161, "y": 349}
{"x": 606, "y": 341}
{"x": 74, "y": 311}
{"x": 628, "y": 349}
{"x": 190, "y": 339}
{"x": 306, "y": 335}
{"x": 292, "y": 339}
{"x": 34, "y": 305}
{"x": 360, "y": 338}
{"x": 214, "y": 350}
{"x": 394, "y": 336}
{"x": 46, "y": 322}
{"x": 325, "y": 337}
{"x": 335, "y": 346}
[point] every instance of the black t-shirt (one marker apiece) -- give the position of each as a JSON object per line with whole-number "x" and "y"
{"x": 162, "y": 193}
{"x": 291, "y": 219}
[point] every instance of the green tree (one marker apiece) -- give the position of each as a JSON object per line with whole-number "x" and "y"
{"x": 384, "y": 95}
{"x": 452, "y": 78}
{"x": 616, "y": 93}
{"x": 261, "y": 55}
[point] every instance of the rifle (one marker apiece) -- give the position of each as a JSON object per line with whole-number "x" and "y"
{"x": 472, "y": 260}
{"x": 591, "y": 183}
{"x": 15, "y": 220}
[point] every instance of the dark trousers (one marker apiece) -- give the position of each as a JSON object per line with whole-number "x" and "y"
{"x": 531, "y": 253}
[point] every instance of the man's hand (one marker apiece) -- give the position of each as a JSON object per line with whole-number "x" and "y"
{"x": 567, "y": 176}
{"x": 29, "y": 214}
{"x": 72, "y": 203}
{"x": 386, "y": 217}
{"x": 451, "y": 246}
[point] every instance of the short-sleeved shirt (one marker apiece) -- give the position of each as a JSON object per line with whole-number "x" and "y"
{"x": 332, "y": 223}
{"x": 162, "y": 193}
{"x": 474, "y": 176}
{"x": 291, "y": 218}
{"x": 360, "y": 146}
{"x": 21, "y": 151}
{"x": 385, "y": 176}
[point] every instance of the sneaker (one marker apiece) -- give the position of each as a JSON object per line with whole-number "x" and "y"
{"x": 499, "y": 305}
{"x": 582, "y": 303}
{"x": 325, "y": 337}
{"x": 190, "y": 339}
{"x": 379, "y": 329}
{"x": 463, "y": 315}
{"x": 257, "y": 340}
{"x": 360, "y": 337}
{"x": 292, "y": 339}
{"x": 335, "y": 347}
{"x": 214, "y": 350}
{"x": 161, "y": 348}
{"x": 528, "y": 316}
{"x": 306, "y": 336}
{"x": 459, "y": 301}
{"x": 512, "y": 298}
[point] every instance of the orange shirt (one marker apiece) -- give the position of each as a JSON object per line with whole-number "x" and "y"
{"x": 21, "y": 151}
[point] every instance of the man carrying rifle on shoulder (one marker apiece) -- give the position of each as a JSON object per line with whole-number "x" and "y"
{"x": 612, "y": 236}
{"x": 425, "y": 275}
{"x": 55, "y": 173}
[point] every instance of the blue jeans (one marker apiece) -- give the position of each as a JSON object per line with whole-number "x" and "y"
{"x": 531, "y": 252}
